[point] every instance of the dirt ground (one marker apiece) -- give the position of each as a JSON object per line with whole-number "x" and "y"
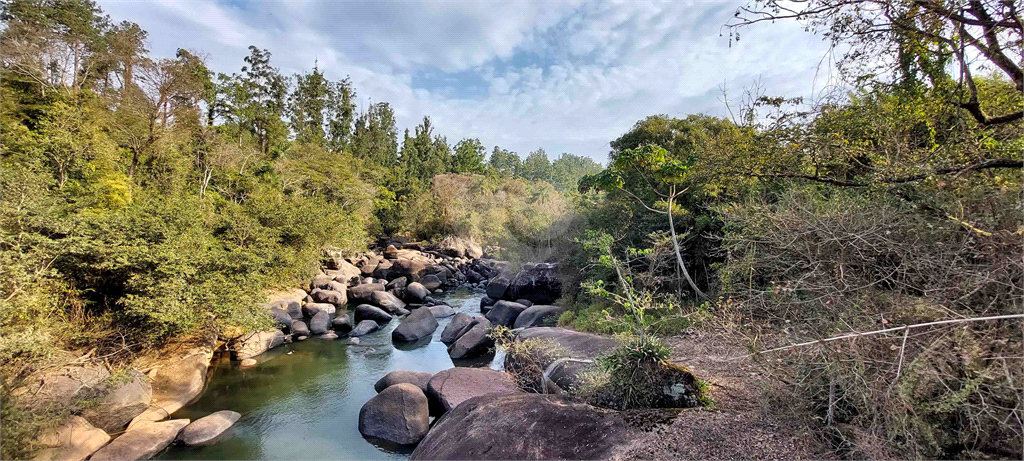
{"x": 754, "y": 416}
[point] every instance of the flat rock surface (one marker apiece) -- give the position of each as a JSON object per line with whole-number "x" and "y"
{"x": 75, "y": 440}
{"x": 142, "y": 442}
{"x": 453, "y": 386}
{"x": 525, "y": 426}
{"x": 178, "y": 381}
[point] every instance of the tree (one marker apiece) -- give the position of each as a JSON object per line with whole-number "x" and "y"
{"x": 912, "y": 40}
{"x": 537, "y": 166}
{"x": 258, "y": 100}
{"x": 340, "y": 114}
{"x": 306, "y": 106}
{"x": 568, "y": 169}
{"x": 662, "y": 176}
{"x": 469, "y": 157}
{"x": 504, "y": 163}
{"x": 375, "y": 138}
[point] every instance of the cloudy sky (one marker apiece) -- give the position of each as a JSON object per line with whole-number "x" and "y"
{"x": 565, "y": 76}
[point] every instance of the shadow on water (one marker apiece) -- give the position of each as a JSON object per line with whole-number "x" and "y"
{"x": 302, "y": 400}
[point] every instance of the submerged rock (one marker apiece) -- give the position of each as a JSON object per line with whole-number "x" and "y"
{"x": 399, "y": 414}
{"x": 364, "y": 327}
{"x": 204, "y": 430}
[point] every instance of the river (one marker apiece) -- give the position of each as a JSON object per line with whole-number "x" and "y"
{"x": 302, "y": 400}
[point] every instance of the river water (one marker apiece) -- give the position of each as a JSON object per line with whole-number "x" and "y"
{"x": 302, "y": 400}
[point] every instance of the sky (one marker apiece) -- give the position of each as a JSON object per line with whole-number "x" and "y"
{"x": 565, "y": 76}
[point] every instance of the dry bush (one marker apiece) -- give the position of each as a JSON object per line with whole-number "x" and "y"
{"x": 812, "y": 266}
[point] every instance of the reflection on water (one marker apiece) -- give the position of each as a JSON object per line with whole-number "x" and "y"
{"x": 302, "y": 400}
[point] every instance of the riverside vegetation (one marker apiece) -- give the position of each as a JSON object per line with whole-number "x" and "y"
{"x": 148, "y": 204}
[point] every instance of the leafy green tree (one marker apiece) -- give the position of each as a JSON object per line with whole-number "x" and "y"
{"x": 663, "y": 175}
{"x": 306, "y": 106}
{"x": 341, "y": 110}
{"x": 258, "y": 100}
{"x": 537, "y": 166}
{"x": 504, "y": 163}
{"x": 376, "y": 137}
{"x": 568, "y": 169}
{"x": 469, "y": 156}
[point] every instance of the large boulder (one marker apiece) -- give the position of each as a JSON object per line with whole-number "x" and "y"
{"x": 321, "y": 281}
{"x": 122, "y": 402}
{"x": 299, "y": 328}
{"x": 497, "y": 287}
{"x": 256, "y": 343}
{"x": 537, "y": 282}
{"x": 368, "y": 312}
{"x": 311, "y": 309}
{"x": 474, "y": 341}
{"x": 505, "y": 313}
{"x": 206, "y": 429}
{"x": 539, "y": 315}
{"x": 415, "y": 292}
{"x": 75, "y": 440}
{"x": 364, "y": 327}
{"x": 418, "y": 378}
{"x": 534, "y": 426}
{"x": 454, "y": 328}
{"x": 362, "y": 293}
{"x": 338, "y": 298}
{"x": 342, "y": 323}
{"x": 294, "y": 309}
{"x": 441, "y": 311}
{"x": 344, "y": 271}
{"x": 431, "y": 282}
{"x": 178, "y": 381}
{"x": 383, "y": 270}
{"x": 280, "y": 315}
{"x": 142, "y": 442}
{"x": 388, "y": 302}
{"x": 486, "y": 304}
{"x": 65, "y": 383}
{"x": 449, "y": 388}
{"x": 399, "y": 414}
{"x": 408, "y": 268}
{"x": 419, "y": 324}
{"x": 460, "y": 247}
{"x": 570, "y": 343}
{"x": 320, "y": 323}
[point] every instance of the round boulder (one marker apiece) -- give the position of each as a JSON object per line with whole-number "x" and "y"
{"x": 368, "y": 312}
{"x": 399, "y": 414}
{"x": 505, "y": 313}
{"x": 441, "y": 311}
{"x": 455, "y": 326}
{"x": 320, "y": 323}
{"x": 415, "y": 292}
{"x": 419, "y": 324}
{"x": 419, "y": 378}
{"x": 539, "y": 315}
{"x": 206, "y": 429}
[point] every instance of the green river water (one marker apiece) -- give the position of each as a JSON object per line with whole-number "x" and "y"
{"x": 302, "y": 400}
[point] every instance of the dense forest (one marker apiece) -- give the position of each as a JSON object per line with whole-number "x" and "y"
{"x": 149, "y": 199}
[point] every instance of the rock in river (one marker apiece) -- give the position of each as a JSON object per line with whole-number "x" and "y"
{"x": 320, "y": 323}
{"x": 399, "y": 414}
{"x": 455, "y": 326}
{"x": 475, "y": 341}
{"x": 364, "y": 327}
{"x": 388, "y": 302}
{"x": 419, "y": 378}
{"x": 441, "y": 311}
{"x": 505, "y": 313}
{"x": 368, "y": 312}
{"x": 299, "y": 328}
{"x": 532, "y": 426}
{"x": 416, "y": 292}
{"x": 141, "y": 442}
{"x": 256, "y": 343}
{"x": 453, "y": 386}
{"x": 419, "y": 324}
{"x": 204, "y": 430}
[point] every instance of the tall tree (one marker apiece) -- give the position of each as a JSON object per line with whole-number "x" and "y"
{"x": 258, "y": 100}
{"x": 504, "y": 163}
{"x": 568, "y": 169}
{"x": 375, "y": 138}
{"x": 341, "y": 110}
{"x": 306, "y": 107}
{"x": 469, "y": 157}
{"x": 537, "y": 166}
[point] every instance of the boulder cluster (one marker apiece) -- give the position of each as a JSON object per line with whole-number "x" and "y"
{"x": 139, "y": 401}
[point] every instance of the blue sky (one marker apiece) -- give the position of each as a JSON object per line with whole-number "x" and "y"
{"x": 566, "y": 76}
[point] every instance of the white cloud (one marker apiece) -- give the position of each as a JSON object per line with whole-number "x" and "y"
{"x": 567, "y": 77}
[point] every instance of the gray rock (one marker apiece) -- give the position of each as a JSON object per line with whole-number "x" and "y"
{"x": 122, "y": 403}
{"x": 505, "y": 313}
{"x": 280, "y": 316}
{"x": 431, "y": 282}
{"x": 205, "y": 430}
{"x": 453, "y": 386}
{"x": 342, "y": 323}
{"x": 537, "y": 282}
{"x": 310, "y": 309}
{"x": 364, "y": 327}
{"x": 419, "y": 324}
{"x": 399, "y": 414}
{"x": 320, "y": 323}
{"x": 177, "y": 381}
{"x": 320, "y": 281}
{"x": 338, "y": 298}
{"x": 387, "y": 301}
{"x": 398, "y": 284}
{"x": 66, "y": 383}
{"x": 539, "y": 315}
{"x": 141, "y": 442}
{"x": 407, "y": 268}
{"x": 299, "y": 328}
{"x": 544, "y": 427}
{"x": 441, "y": 311}
{"x": 497, "y": 287}
{"x": 525, "y": 302}
{"x": 75, "y": 440}
{"x": 294, "y": 309}
{"x": 256, "y": 343}
{"x": 416, "y": 292}
{"x": 455, "y": 326}
{"x": 418, "y": 378}
{"x": 361, "y": 293}
{"x": 368, "y": 312}
{"x": 486, "y": 304}
{"x": 574, "y": 344}
{"x": 473, "y": 342}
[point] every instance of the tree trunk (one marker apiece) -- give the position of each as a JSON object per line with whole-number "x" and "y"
{"x": 675, "y": 245}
